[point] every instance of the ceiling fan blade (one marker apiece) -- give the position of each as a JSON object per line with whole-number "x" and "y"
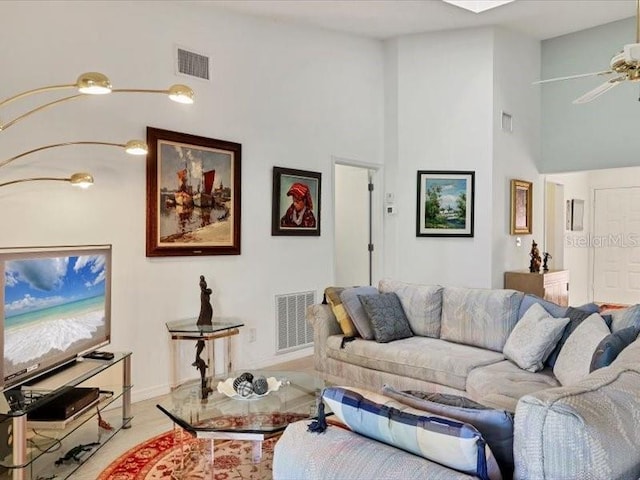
{"x": 599, "y": 90}
{"x": 571, "y": 77}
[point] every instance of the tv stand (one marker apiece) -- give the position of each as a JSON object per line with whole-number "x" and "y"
{"x": 34, "y": 451}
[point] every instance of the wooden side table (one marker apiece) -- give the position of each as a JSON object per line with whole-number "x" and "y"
{"x": 222, "y": 327}
{"x": 552, "y": 285}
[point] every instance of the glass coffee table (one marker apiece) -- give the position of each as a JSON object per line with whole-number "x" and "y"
{"x": 256, "y": 419}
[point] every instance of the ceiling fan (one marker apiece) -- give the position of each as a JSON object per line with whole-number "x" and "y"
{"x": 625, "y": 65}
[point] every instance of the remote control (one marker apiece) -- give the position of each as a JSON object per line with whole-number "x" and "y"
{"x": 100, "y": 355}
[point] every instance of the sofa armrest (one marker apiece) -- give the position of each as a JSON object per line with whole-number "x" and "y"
{"x": 324, "y": 324}
{"x": 588, "y": 430}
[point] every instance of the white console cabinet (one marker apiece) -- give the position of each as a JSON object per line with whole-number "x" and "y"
{"x": 32, "y": 450}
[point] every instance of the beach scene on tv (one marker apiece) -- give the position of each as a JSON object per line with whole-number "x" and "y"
{"x": 52, "y": 306}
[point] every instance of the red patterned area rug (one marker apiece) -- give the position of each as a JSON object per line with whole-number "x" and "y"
{"x": 163, "y": 458}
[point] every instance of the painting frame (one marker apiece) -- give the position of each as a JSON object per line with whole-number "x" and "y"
{"x": 445, "y": 221}
{"x": 577, "y": 215}
{"x": 287, "y": 183}
{"x": 216, "y": 200}
{"x": 521, "y": 207}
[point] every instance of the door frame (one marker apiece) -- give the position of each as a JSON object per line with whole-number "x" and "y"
{"x": 376, "y": 176}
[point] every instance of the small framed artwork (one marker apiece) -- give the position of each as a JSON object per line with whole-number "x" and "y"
{"x": 521, "y": 207}
{"x": 193, "y": 195}
{"x": 296, "y": 202}
{"x": 577, "y": 215}
{"x": 445, "y": 203}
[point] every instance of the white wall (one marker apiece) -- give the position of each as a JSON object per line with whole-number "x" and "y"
{"x": 292, "y": 96}
{"x": 599, "y": 134}
{"x": 516, "y": 61}
{"x": 440, "y": 86}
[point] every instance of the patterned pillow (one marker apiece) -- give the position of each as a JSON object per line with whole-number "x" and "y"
{"x": 344, "y": 320}
{"x": 496, "y": 426}
{"x": 574, "y": 361}
{"x": 533, "y": 338}
{"x": 352, "y": 305}
{"x": 576, "y": 317}
{"x": 448, "y": 442}
{"x": 611, "y": 346}
{"x": 387, "y": 317}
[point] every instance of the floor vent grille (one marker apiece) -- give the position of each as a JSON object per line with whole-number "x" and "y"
{"x": 294, "y": 332}
{"x": 192, "y": 64}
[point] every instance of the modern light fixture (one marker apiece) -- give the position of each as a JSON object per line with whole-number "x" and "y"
{"x": 132, "y": 147}
{"x": 478, "y": 6}
{"x": 93, "y": 83}
{"x": 81, "y": 180}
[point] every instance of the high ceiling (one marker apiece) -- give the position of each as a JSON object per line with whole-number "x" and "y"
{"x": 389, "y": 18}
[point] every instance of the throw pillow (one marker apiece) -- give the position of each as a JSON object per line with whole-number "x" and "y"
{"x": 533, "y": 338}
{"x": 576, "y": 317}
{"x": 352, "y": 305}
{"x": 574, "y": 361}
{"x": 554, "y": 309}
{"x": 451, "y": 443}
{"x": 332, "y": 295}
{"x": 496, "y": 426}
{"x": 624, "y": 317}
{"x": 611, "y": 346}
{"x": 387, "y": 317}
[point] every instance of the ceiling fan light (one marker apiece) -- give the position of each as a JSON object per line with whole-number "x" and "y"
{"x": 181, "y": 94}
{"x": 136, "y": 147}
{"x": 81, "y": 180}
{"x": 94, "y": 83}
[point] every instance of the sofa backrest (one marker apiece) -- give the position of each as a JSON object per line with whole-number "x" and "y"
{"x": 479, "y": 317}
{"x": 422, "y": 304}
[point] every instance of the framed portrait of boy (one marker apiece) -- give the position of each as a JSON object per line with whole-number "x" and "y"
{"x": 296, "y": 202}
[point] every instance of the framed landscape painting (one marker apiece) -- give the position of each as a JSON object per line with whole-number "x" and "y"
{"x": 445, "y": 203}
{"x": 296, "y": 202}
{"x": 193, "y": 195}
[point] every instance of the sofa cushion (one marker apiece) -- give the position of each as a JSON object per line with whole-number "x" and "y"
{"x": 624, "y": 317}
{"x": 576, "y": 317}
{"x": 332, "y": 295}
{"x": 496, "y": 426}
{"x": 480, "y": 317}
{"x": 611, "y": 346}
{"x": 422, "y": 358}
{"x": 387, "y": 317}
{"x": 443, "y": 440}
{"x": 352, "y": 305}
{"x": 422, "y": 305}
{"x": 502, "y": 384}
{"x": 574, "y": 361}
{"x": 533, "y": 338}
{"x": 553, "y": 309}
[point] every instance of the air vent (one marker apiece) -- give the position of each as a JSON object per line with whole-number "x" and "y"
{"x": 192, "y": 64}
{"x": 294, "y": 332}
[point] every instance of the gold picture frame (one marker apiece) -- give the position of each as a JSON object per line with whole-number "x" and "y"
{"x": 521, "y": 207}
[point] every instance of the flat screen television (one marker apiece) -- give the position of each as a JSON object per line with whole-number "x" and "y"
{"x": 56, "y": 305}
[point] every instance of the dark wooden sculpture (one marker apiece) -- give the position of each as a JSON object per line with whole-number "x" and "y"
{"x": 204, "y": 319}
{"x": 536, "y": 261}
{"x": 546, "y": 256}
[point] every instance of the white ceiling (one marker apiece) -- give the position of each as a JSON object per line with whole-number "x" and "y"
{"x": 389, "y": 18}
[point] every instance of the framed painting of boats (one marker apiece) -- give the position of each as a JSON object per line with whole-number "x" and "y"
{"x": 193, "y": 195}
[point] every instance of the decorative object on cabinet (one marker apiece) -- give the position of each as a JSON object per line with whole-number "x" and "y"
{"x": 296, "y": 202}
{"x": 521, "y": 207}
{"x": 193, "y": 195}
{"x": 445, "y": 203}
{"x": 91, "y": 83}
{"x": 552, "y": 285}
{"x": 536, "y": 260}
{"x": 577, "y": 215}
{"x": 545, "y": 263}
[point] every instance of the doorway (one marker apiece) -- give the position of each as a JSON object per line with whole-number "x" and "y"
{"x": 355, "y": 226}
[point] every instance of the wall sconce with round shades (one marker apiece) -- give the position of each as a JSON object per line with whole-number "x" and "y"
{"x": 90, "y": 83}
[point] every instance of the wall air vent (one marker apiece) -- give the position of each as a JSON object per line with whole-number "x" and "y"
{"x": 192, "y": 64}
{"x": 294, "y": 332}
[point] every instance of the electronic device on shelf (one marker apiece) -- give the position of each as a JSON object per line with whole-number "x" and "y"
{"x": 97, "y": 355}
{"x": 60, "y": 408}
{"x": 55, "y": 305}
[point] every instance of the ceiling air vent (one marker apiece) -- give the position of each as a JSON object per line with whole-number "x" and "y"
{"x": 192, "y": 64}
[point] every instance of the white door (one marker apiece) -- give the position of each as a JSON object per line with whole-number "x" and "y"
{"x": 352, "y": 214}
{"x": 616, "y": 245}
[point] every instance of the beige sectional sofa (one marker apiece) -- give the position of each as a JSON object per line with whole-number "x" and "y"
{"x": 585, "y": 431}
